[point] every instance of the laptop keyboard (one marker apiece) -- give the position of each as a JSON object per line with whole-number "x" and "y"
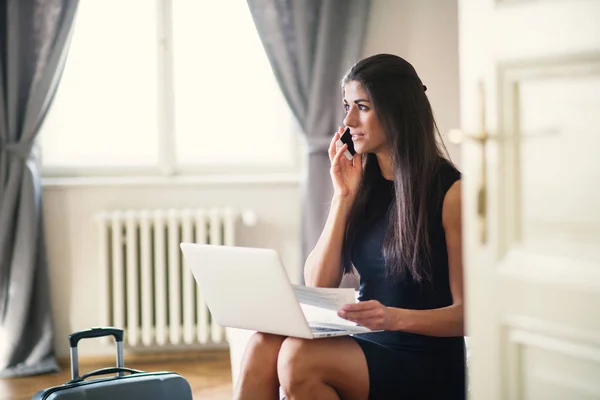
{"x": 326, "y": 329}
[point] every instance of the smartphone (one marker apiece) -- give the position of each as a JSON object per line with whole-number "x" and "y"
{"x": 346, "y": 138}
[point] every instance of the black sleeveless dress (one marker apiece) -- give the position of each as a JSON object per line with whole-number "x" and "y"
{"x": 405, "y": 365}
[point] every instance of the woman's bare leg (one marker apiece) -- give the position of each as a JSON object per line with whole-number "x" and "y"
{"x": 331, "y": 368}
{"x": 258, "y": 373}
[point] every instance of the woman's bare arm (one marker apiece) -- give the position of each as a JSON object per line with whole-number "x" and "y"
{"x": 323, "y": 266}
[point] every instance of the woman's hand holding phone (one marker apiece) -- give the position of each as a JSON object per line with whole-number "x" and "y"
{"x": 345, "y": 174}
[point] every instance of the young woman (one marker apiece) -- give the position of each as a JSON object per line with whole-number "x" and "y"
{"x": 396, "y": 217}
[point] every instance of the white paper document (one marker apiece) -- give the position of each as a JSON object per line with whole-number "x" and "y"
{"x": 329, "y": 298}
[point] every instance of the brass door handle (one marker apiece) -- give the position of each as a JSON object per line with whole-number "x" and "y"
{"x": 458, "y": 136}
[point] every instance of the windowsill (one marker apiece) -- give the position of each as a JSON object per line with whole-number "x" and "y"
{"x": 176, "y": 180}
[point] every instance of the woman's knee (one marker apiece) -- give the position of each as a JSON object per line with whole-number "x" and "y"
{"x": 294, "y": 364}
{"x": 262, "y": 349}
{"x": 265, "y": 341}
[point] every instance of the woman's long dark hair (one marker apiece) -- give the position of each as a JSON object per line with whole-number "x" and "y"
{"x": 399, "y": 101}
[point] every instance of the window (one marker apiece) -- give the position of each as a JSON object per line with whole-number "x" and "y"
{"x": 168, "y": 85}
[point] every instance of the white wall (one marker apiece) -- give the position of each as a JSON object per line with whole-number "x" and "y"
{"x": 422, "y": 31}
{"x": 425, "y": 33}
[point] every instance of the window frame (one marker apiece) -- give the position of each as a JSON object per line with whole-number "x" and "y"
{"x": 166, "y": 162}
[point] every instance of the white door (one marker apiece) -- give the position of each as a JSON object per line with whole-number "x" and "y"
{"x": 532, "y": 238}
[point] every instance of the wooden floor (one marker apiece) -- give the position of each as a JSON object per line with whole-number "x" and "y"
{"x": 209, "y": 374}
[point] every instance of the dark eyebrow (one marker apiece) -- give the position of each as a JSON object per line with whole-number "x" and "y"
{"x": 358, "y": 101}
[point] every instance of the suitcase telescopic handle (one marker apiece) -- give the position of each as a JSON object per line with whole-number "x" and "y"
{"x": 74, "y": 339}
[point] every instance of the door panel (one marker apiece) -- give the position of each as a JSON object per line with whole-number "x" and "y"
{"x": 559, "y": 164}
{"x": 552, "y": 368}
{"x": 533, "y": 281}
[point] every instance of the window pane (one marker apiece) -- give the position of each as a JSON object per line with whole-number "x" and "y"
{"x": 104, "y": 113}
{"x": 228, "y": 106}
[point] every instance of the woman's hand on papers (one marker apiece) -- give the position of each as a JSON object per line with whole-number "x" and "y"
{"x": 370, "y": 314}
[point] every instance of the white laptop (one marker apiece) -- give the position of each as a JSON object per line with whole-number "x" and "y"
{"x": 248, "y": 288}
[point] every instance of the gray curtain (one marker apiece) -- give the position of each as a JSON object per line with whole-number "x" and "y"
{"x": 310, "y": 44}
{"x": 34, "y": 40}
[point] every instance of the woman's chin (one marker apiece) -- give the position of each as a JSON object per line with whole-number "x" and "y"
{"x": 360, "y": 150}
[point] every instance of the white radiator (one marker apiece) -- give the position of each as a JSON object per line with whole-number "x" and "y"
{"x": 145, "y": 288}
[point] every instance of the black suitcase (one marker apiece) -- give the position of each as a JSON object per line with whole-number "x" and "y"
{"x": 136, "y": 385}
